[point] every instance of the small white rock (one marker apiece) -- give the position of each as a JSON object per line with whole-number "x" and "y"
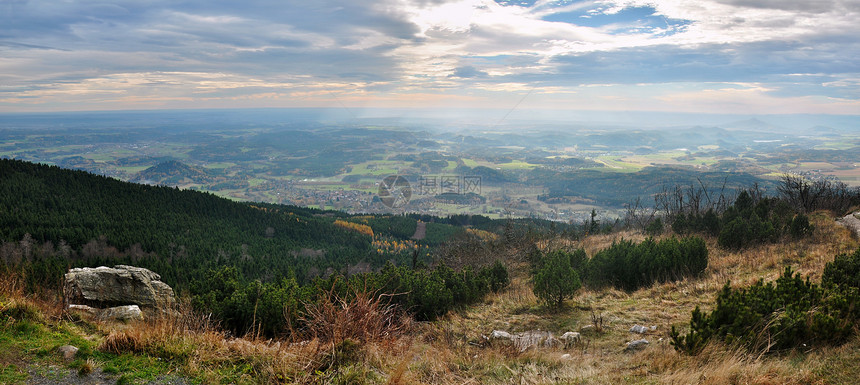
{"x": 500, "y": 335}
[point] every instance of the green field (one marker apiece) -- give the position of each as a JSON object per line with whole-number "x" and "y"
{"x": 516, "y": 165}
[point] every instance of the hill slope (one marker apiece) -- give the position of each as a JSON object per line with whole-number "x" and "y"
{"x": 452, "y": 350}
{"x": 76, "y": 218}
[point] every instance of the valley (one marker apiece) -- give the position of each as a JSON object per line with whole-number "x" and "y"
{"x": 549, "y": 171}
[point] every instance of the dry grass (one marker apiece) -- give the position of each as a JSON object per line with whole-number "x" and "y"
{"x": 87, "y": 367}
{"x": 719, "y": 365}
{"x": 364, "y": 317}
{"x": 360, "y": 340}
{"x": 459, "y": 355}
{"x": 348, "y": 340}
{"x": 16, "y": 304}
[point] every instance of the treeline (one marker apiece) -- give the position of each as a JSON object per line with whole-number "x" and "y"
{"x": 280, "y": 308}
{"x": 789, "y": 313}
{"x": 744, "y": 217}
{"x": 746, "y": 222}
{"x": 624, "y": 265}
{"x": 486, "y": 223}
{"x": 626, "y": 187}
{"x": 629, "y": 266}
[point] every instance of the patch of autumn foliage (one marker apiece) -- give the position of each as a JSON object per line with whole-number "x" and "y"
{"x": 383, "y": 245}
{"x": 357, "y": 227}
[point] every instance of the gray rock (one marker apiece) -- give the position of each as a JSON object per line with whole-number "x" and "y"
{"x": 642, "y": 329}
{"x": 500, "y": 335}
{"x": 534, "y": 338}
{"x": 84, "y": 309}
{"x": 104, "y": 287}
{"x": 852, "y": 222}
{"x": 571, "y": 338}
{"x": 116, "y": 313}
{"x": 68, "y": 352}
{"x": 551, "y": 342}
{"x": 121, "y": 313}
{"x": 636, "y": 345}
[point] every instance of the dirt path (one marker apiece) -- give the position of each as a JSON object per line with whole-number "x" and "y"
{"x": 420, "y": 231}
{"x": 852, "y": 222}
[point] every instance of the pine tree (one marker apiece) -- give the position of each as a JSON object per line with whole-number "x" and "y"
{"x": 556, "y": 280}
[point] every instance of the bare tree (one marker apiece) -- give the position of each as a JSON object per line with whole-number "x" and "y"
{"x": 638, "y": 216}
{"x": 807, "y": 196}
{"x": 696, "y": 199}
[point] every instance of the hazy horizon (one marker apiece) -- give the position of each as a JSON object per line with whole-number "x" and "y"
{"x": 468, "y": 118}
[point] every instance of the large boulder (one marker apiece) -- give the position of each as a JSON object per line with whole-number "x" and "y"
{"x": 116, "y": 313}
{"x": 121, "y": 285}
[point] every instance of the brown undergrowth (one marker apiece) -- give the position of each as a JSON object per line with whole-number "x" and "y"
{"x": 355, "y": 339}
{"x": 362, "y": 340}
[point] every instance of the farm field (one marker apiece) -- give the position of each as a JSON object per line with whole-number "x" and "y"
{"x": 521, "y": 171}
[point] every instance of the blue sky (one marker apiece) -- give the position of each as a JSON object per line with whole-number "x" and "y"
{"x": 709, "y": 56}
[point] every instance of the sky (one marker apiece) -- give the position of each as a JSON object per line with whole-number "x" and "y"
{"x": 689, "y": 56}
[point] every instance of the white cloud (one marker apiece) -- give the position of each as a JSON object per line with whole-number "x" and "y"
{"x": 180, "y": 51}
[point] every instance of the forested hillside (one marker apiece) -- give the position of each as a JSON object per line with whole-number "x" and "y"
{"x": 56, "y": 218}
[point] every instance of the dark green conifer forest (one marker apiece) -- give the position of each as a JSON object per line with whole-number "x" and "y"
{"x": 232, "y": 258}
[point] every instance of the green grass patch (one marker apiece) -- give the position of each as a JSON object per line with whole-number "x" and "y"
{"x": 107, "y": 157}
{"x": 256, "y": 182}
{"x": 132, "y": 368}
{"x": 835, "y": 145}
{"x": 516, "y": 165}
{"x": 32, "y": 340}
{"x": 12, "y": 374}
{"x": 615, "y": 164}
{"x": 377, "y": 168}
{"x": 841, "y": 368}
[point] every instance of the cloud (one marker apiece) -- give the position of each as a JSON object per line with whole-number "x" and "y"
{"x": 11, "y": 44}
{"x": 383, "y": 49}
{"x": 468, "y": 72}
{"x": 816, "y": 6}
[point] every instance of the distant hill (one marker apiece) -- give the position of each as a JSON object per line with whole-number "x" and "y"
{"x": 617, "y": 189}
{"x": 753, "y": 124}
{"x": 173, "y": 173}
